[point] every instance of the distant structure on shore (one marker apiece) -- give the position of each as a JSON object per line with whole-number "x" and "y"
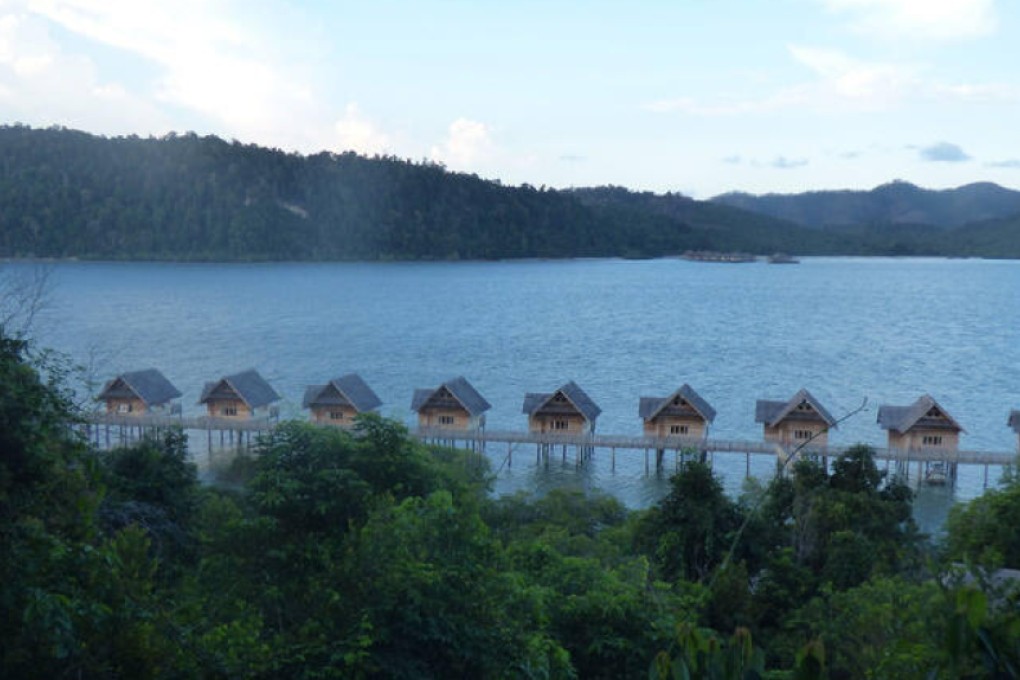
{"x": 715, "y": 256}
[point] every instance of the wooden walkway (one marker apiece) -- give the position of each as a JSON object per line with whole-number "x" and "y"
{"x": 937, "y": 465}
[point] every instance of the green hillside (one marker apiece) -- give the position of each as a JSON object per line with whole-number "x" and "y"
{"x": 65, "y": 193}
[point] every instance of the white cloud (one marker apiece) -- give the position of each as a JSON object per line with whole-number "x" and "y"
{"x": 467, "y": 143}
{"x": 207, "y": 64}
{"x": 42, "y": 85}
{"x": 357, "y": 133}
{"x": 919, "y": 19}
{"x": 868, "y": 84}
{"x": 843, "y": 83}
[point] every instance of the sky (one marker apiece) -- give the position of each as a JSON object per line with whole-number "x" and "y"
{"x": 700, "y": 97}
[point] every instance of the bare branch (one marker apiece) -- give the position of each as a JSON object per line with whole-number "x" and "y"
{"x": 23, "y": 294}
{"x": 782, "y": 468}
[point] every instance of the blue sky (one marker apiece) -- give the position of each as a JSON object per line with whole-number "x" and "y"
{"x": 696, "y": 96}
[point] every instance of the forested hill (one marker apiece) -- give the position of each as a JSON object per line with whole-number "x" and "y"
{"x": 893, "y": 203}
{"x": 65, "y": 193}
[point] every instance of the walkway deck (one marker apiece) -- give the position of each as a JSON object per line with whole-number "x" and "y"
{"x": 611, "y": 442}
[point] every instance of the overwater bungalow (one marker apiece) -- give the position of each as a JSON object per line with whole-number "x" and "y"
{"x": 921, "y": 425}
{"x": 340, "y": 400}
{"x": 568, "y": 410}
{"x": 454, "y": 405}
{"x": 239, "y": 396}
{"x": 1014, "y": 422}
{"x": 682, "y": 414}
{"x": 139, "y": 392}
{"x": 796, "y": 421}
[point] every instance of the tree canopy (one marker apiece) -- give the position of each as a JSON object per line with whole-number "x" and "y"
{"x": 370, "y": 554}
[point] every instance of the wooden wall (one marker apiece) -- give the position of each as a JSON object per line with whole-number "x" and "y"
{"x": 447, "y": 419}
{"x": 796, "y": 432}
{"x": 914, "y": 439}
{"x": 697, "y": 428}
{"x": 574, "y": 423}
{"x": 132, "y": 406}
{"x": 216, "y": 409}
{"x": 327, "y": 415}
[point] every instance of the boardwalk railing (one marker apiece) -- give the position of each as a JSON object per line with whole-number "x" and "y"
{"x": 482, "y": 437}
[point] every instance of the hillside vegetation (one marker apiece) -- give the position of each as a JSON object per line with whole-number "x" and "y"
{"x": 70, "y": 194}
{"x": 65, "y": 193}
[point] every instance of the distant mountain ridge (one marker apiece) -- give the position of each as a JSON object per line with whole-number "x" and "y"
{"x": 897, "y": 202}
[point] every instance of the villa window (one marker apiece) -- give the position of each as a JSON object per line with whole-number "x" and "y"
{"x": 336, "y": 415}
{"x": 932, "y": 440}
{"x": 228, "y": 410}
{"x": 560, "y": 425}
{"x": 446, "y": 420}
{"x": 679, "y": 429}
{"x": 802, "y": 434}
{"x": 125, "y": 408}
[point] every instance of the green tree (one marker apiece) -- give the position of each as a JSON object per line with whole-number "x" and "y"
{"x": 986, "y": 530}
{"x": 690, "y": 530}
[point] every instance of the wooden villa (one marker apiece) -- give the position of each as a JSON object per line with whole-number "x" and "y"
{"x": 568, "y": 410}
{"x": 139, "y": 392}
{"x": 454, "y": 405}
{"x": 240, "y": 396}
{"x": 682, "y": 414}
{"x": 921, "y": 425}
{"x": 796, "y": 421}
{"x": 1014, "y": 422}
{"x": 340, "y": 400}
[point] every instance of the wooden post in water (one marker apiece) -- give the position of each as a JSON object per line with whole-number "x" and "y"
{"x": 613, "y": 457}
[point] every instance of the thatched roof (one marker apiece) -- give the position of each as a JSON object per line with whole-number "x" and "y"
{"x": 650, "y": 408}
{"x": 923, "y": 413}
{"x": 149, "y": 385}
{"x": 248, "y": 386}
{"x": 535, "y": 401}
{"x": 771, "y": 413}
{"x": 347, "y": 390}
{"x": 460, "y": 389}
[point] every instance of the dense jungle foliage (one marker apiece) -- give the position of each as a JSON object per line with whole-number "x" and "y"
{"x": 70, "y": 194}
{"x": 65, "y": 193}
{"x": 372, "y": 555}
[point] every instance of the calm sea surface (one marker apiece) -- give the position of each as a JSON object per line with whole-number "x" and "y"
{"x": 845, "y": 328}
